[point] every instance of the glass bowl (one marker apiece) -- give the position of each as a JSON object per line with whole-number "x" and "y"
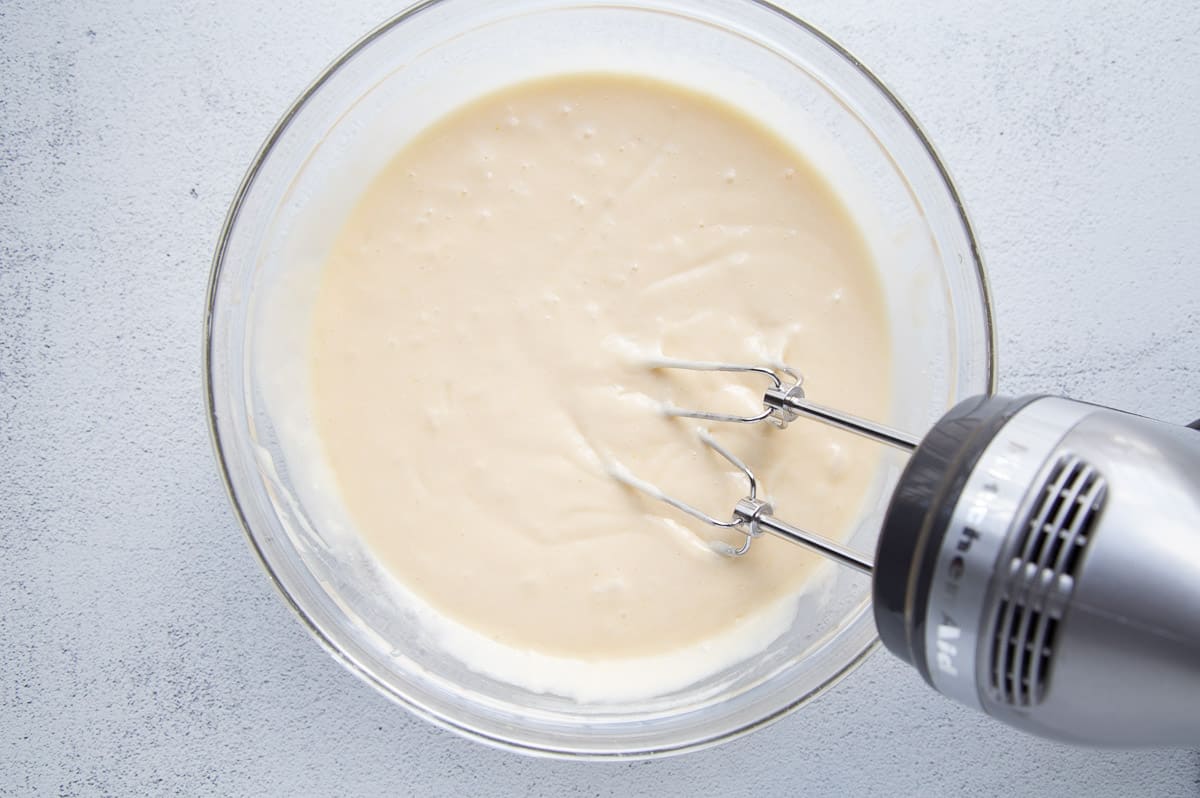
{"x": 355, "y": 116}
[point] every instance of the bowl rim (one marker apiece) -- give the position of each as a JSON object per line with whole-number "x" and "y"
{"x": 219, "y": 448}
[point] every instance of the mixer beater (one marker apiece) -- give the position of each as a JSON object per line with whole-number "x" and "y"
{"x": 783, "y": 403}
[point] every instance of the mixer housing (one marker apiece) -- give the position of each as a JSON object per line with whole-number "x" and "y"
{"x": 1040, "y": 560}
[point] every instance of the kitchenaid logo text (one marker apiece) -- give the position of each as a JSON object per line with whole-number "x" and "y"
{"x": 949, "y": 632}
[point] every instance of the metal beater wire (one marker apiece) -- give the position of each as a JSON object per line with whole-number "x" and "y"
{"x": 701, "y": 365}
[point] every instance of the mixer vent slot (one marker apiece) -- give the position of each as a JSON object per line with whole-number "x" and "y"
{"x": 1039, "y": 580}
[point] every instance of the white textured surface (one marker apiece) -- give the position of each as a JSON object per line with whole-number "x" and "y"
{"x": 142, "y": 650}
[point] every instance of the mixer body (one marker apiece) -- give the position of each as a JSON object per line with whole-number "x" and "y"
{"x": 1040, "y": 560}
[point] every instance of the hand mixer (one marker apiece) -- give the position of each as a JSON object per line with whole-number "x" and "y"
{"x": 1039, "y": 559}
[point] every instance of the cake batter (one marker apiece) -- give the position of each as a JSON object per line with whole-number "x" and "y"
{"x": 479, "y": 346}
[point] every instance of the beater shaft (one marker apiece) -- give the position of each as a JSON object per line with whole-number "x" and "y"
{"x": 788, "y": 401}
{"x": 834, "y": 551}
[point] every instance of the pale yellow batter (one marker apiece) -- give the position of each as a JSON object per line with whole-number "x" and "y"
{"x": 477, "y": 339}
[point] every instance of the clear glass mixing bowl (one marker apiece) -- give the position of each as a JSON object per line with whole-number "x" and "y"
{"x": 355, "y": 116}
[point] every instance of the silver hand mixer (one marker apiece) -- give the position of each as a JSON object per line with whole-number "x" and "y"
{"x": 1039, "y": 559}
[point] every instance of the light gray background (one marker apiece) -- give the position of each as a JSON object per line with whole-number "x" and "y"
{"x": 142, "y": 650}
